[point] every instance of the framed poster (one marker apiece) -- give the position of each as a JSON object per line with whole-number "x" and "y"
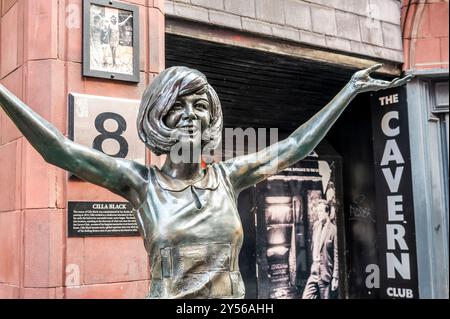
{"x": 107, "y": 125}
{"x": 300, "y": 230}
{"x": 111, "y": 40}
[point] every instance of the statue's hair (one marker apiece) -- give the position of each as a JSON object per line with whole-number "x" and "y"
{"x": 159, "y": 98}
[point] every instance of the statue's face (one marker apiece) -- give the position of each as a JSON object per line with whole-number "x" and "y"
{"x": 113, "y": 19}
{"x": 190, "y": 116}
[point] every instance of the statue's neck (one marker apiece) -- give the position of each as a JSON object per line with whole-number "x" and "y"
{"x": 183, "y": 171}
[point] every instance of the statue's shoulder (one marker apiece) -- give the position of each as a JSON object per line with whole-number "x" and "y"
{"x": 139, "y": 174}
{"x": 220, "y": 167}
{"x": 139, "y": 169}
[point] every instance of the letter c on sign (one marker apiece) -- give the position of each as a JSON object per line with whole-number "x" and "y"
{"x": 389, "y": 292}
{"x": 387, "y": 130}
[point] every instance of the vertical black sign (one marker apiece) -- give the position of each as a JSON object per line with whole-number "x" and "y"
{"x": 394, "y": 201}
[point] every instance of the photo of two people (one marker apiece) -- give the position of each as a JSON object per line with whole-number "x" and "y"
{"x": 299, "y": 232}
{"x": 111, "y": 40}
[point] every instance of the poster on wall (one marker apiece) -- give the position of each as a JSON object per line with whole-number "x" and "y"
{"x": 111, "y": 40}
{"x": 394, "y": 200}
{"x": 298, "y": 227}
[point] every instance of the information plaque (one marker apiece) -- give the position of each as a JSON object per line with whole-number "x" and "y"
{"x": 88, "y": 219}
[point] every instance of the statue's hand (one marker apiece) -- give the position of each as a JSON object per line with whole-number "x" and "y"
{"x": 362, "y": 82}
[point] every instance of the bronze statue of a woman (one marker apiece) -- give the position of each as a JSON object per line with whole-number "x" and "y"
{"x": 187, "y": 214}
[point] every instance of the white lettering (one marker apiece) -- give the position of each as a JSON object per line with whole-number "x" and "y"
{"x": 117, "y": 206}
{"x": 394, "y": 203}
{"x": 387, "y": 130}
{"x": 373, "y": 278}
{"x": 393, "y": 181}
{"x": 395, "y": 96}
{"x": 409, "y": 293}
{"x": 396, "y": 233}
{"x": 399, "y": 292}
{"x": 100, "y": 206}
{"x": 394, "y": 264}
{"x": 239, "y": 134}
{"x": 390, "y": 99}
{"x": 390, "y": 292}
{"x": 391, "y": 153}
{"x": 187, "y": 309}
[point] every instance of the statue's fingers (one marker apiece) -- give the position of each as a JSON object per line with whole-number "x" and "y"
{"x": 407, "y": 78}
{"x": 381, "y": 83}
{"x": 402, "y": 81}
{"x": 394, "y": 82}
{"x": 373, "y": 68}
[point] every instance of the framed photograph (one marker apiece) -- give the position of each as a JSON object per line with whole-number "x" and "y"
{"x": 111, "y": 40}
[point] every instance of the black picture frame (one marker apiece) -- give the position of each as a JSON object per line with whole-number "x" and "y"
{"x": 97, "y": 49}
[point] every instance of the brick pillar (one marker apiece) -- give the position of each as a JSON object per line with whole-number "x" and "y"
{"x": 425, "y": 36}
{"x": 41, "y": 62}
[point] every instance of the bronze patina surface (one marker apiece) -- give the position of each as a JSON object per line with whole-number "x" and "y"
{"x": 187, "y": 214}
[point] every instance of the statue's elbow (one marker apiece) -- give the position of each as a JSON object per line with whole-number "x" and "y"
{"x": 56, "y": 152}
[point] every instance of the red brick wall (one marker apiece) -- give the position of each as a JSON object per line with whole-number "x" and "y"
{"x": 40, "y": 61}
{"x": 425, "y": 34}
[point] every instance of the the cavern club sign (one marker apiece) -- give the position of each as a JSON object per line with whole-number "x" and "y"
{"x": 394, "y": 200}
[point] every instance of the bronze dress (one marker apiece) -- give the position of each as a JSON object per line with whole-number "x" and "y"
{"x": 193, "y": 235}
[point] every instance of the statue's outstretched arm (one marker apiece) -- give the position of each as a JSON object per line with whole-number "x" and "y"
{"x": 122, "y": 177}
{"x": 247, "y": 170}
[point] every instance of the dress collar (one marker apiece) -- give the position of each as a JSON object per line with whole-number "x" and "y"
{"x": 209, "y": 181}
